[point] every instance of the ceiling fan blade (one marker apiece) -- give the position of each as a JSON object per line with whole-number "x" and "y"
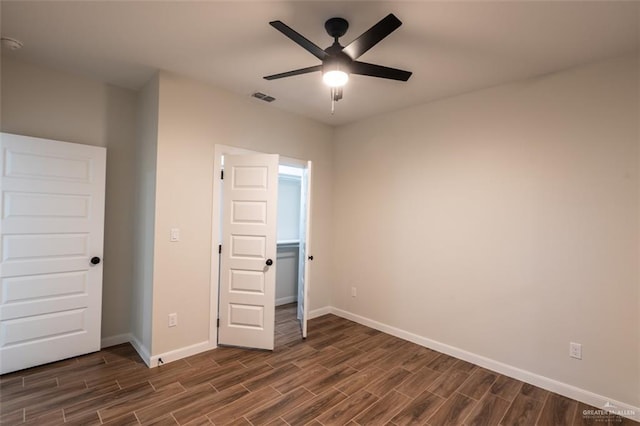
{"x": 372, "y": 70}
{"x": 294, "y": 72}
{"x": 299, "y": 39}
{"x": 372, "y": 36}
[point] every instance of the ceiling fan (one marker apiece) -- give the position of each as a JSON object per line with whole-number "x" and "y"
{"x": 339, "y": 61}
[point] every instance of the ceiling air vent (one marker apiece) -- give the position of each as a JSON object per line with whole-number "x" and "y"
{"x": 263, "y": 97}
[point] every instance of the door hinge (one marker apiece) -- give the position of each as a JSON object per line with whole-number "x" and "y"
{"x": 218, "y": 323}
{"x": 219, "y": 248}
{"x": 221, "y": 174}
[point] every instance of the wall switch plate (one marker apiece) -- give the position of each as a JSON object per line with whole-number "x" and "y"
{"x": 173, "y": 320}
{"x": 575, "y": 350}
{"x": 354, "y": 292}
{"x": 175, "y": 235}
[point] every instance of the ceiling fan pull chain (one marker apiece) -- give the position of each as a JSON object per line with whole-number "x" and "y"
{"x": 333, "y": 101}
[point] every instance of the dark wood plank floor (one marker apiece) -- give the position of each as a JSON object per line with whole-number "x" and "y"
{"x": 344, "y": 373}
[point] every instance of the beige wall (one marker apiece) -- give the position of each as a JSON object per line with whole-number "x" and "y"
{"x": 193, "y": 117}
{"x": 503, "y": 222}
{"x": 56, "y": 105}
{"x": 144, "y": 211}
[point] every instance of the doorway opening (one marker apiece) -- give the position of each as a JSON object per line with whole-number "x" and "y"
{"x": 246, "y": 283}
{"x": 290, "y": 239}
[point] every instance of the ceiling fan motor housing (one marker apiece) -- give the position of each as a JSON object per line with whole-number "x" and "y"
{"x": 336, "y": 27}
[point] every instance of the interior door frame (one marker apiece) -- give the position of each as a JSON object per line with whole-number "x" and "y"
{"x": 216, "y": 217}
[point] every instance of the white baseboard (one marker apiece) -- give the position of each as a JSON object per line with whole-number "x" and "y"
{"x": 570, "y": 391}
{"x": 142, "y": 350}
{"x": 177, "y": 354}
{"x": 118, "y": 339}
{"x": 320, "y": 312}
{"x": 152, "y": 361}
{"x": 285, "y": 300}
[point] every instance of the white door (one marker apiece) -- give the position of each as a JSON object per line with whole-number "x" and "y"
{"x": 51, "y": 227}
{"x": 247, "y": 260}
{"x": 305, "y": 254}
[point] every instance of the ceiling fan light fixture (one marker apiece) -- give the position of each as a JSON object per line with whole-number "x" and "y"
{"x": 335, "y": 78}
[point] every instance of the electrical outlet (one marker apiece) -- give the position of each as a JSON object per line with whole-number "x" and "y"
{"x": 173, "y": 320}
{"x": 575, "y": 350}
{"x": 354, "y": 292}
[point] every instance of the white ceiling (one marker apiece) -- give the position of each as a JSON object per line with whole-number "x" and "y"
{"x": 451, "y": 47}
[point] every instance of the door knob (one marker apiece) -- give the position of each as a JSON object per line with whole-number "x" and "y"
{"x": 269, "y": 262}
{"x": 310, "y": 257}
{"x": 95, "y": 260}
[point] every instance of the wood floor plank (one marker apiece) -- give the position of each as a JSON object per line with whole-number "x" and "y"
{"x": 478, "y": 383}
{"x": 506, "y": 388}
{"x": 367, "y": 359}
{"x": 87, "y": 419}
{"x": 242, "y": 405}
{"x": 420, "y": 358}
{"x": 453, "y": 411}
{"x": 132, "y": 402}
{"x": 448, "y": 383}
{"x": 373, "y": 342}
{"x": 351, "y": 342}
{"x": 317, "y": 357}
{"x": 128, "y": 419}
{"x": 314, "y": 407}
{"x": 360, "y": 380}
{"x": 343, "y": 412}
{"x": 83, "y": 405}
{"x": 383, "y": 410}
{"x": 524, "y": 411}
{"x": 464, "y": 366}
{"x": 12, "y": 417}
{"x": 388, "y": 381}
{"x": 14, "y": 398}
{"x": 48, "y": 418}
{"x": 279, "y": 406}
{"x": 64, "y": 396}
{"x": 418, "y": 410}
{"x": 395, "y": 358}
{"x": 271, "y": 376}
{"x": 207, "y": 374}
{"x": 55, "y": 370}
{"x": 173, "y": 370}
{"x": 332, "y": 378}
{"x": 558, "y": 410}
{"x": 164, "y": 421}
{"x": 278, "y": 422}
{"x": 304, "y": 376}
{"x": 237, "y": 376}
{"x": 200, "y": 421}
{"x": 418, "y": 382}
{"x": 287, "y": 357}
{"x": 184, "y": 400}
{"x": 241, "y": 421}
{"x": 488, "y": 412}
{"x": 194, "y": 408}
{"x": 534, "y": 392}
{"x": 341, "y": 357}
{"x": 442, "y": 363}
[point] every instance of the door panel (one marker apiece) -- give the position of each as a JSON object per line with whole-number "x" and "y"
{"x": 304, "y": 263}
{"x": 247, "y": 283}
{"x": 51, "y": 224}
